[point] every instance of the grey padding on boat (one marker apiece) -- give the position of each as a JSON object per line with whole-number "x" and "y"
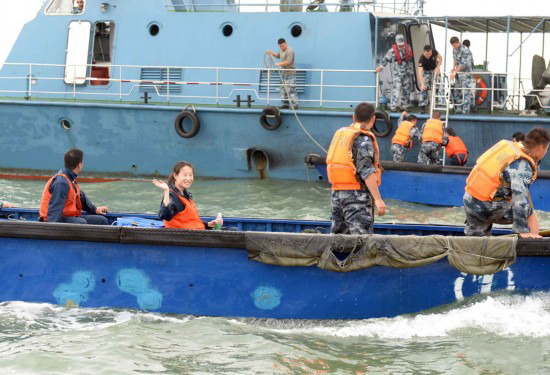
{"x": 182, "y": 237}
{"x": 473, "y": 255}
{"x": 59, "y": 231}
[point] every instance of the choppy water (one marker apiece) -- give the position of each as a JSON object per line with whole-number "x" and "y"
{"x": 500, "y": 334}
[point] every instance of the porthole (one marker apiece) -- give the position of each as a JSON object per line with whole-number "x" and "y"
{"x": 65, "y": 124}
{"x": 296, "y": 30}
{"x": 154, "y": 29}
{"x": 227, "y": 30}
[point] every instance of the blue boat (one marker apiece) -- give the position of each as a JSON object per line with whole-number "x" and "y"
{"x": 240, "y": 273}
{"x": 433, "y": 184}
{"x": 139, "y": 84}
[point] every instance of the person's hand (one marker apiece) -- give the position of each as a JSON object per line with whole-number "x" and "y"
{"x": 529, "y": 235}
{"x": 279, "y": 64}
{"x": 380, "y": 206}
{"x": 161, "y": 184}
{"x": 452, "y": 76}
{"x": 212, "y": 223}
{"x": 403, "y": 113}
{"x": 436, "y": 71}
{"x": 422, "y": 87}
{"x": 270, "y": 52}
{"x": 378, "y": 69}
{"x": 101, "y": 210}
{"x": 8, "y": 205}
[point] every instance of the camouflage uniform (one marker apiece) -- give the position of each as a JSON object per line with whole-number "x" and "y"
{"x": 480, "y": 216}
{"x": 289, "y": 82}
{"x": 429, "y": 151}
{"x": 463, "y": 82}
{"x": 428, "y": 76}
{"x": 398, "y": 151}
{"x": 352, "y": 210}
{"x": 402, "y": 78}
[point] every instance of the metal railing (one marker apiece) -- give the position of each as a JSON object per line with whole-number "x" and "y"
{"x": 123, "y": 83}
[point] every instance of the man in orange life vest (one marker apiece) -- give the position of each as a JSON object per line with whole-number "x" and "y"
{"x": 432, "y": 139}
{"x": 456, "y": 149}
{"x": 497, "y": 189}
{"x": 62, "y": 199}
{"x": 354, "y": 172}
{"x": 403, "y": 138}
{"x": 402, "y": 73}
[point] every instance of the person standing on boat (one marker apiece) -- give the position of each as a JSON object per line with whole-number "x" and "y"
{"x": 456, "y": 149}
{"x": 354, "y": 171}
{"x": 402, "y": 141}
{"x": 428, "y": 70}
{"x": 433, "y": 138}
{"x": 63, "y": 201}
{"x": 401, "y": 56}
{"x": 463, "y": 66}
{"x": 177, "y": 208}
{"x": 289, "y": 96}
{"x": 497, "y": 189}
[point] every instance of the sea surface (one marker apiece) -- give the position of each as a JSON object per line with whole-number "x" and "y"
{"x": 504, "y": 333}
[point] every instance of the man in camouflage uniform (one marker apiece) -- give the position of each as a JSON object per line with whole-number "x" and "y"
{"x": 429, "y": 151}
{"x": 512, "y": 203}
{"x": 428, "y": 69}
{"x": 289, "y": 96}
{"x": 402, "y": 73}
{"x": 353, "y": 210}
{"x": 398, "y": 151}
{"x": 462, "y": 68}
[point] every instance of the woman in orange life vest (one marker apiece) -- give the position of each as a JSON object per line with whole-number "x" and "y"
{"x": 456, "y": 149}
{"x": 177, "y": 209}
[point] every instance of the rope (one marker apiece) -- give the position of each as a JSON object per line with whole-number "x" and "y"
{"x": 271, "y": 65}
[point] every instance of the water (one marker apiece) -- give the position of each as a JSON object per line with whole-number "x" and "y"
{"x": 499, "y": 334}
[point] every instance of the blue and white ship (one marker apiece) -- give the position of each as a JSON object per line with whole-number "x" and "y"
{"x": 123, "y": 81}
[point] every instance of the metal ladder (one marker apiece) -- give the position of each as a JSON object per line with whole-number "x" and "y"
{"x": 441, "y": 83}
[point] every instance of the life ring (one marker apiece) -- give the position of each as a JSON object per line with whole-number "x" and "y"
{"x": 481, "y": 95}
{"x": 271, "y": 112}
{"x": 195, "y": 122}
{"x": 384, "y": 118}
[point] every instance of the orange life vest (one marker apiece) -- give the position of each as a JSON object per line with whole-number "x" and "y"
{"x": 340, "y": 164}
{"x": 455, "y": 146}
{"x": 486, "y": 177}
{"x": 73, "y": 205}
{"x": 188, "y": 218}
{"x": 403, "y": 134}
{"x": 433, "y": 131}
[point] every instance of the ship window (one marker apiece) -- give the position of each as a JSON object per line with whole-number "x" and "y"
{"x": 64, "y": 7}
{"x": 102, "y": 53}
{"x": 154, "y": 29}
{"x": 296, "y": 31}
{"x": 76, "y": 58}
{"x": 227, "y": 30}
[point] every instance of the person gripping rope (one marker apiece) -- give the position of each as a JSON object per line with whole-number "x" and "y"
{"x": 289, "y": 95}
{"x": 354, "y": 171}
{"x": 497, "y": 189}
{"x": 433, "y": 138}
{"x": 401, "y": 56}
{"x": 403, "y": 138}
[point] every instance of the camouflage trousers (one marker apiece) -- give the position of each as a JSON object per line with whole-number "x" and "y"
{"x": 480, "y": 216}
{"x": 429, "y": 153}
{"x": 289, "y": 96}
{"x": 428, "y": 76}
{"x": 463, "y": 93}
{"x": 398, "y": 153}
{"x": 401, "y": 87}
{"x": 352, "y": 212}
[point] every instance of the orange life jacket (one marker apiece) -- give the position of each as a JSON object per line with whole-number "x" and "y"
{"x": 403, "y": 134}
{"x": 433, "y": 131}
{"x": 73, "y": 205}
{"x": 188, "y": 218}
{"x": 486, "y": 177}
{"x": 340, "y": 164}
{"x": 455, "y": 146}
{"x": 408, "y": 53}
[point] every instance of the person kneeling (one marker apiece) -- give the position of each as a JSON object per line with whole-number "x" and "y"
{"x": 177, "y": 208}
{"x": 63, "y": 201}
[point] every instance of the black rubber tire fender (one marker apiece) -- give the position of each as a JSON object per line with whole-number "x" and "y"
{"x": 382, "y": 115}
{"x": 271, "y": 111}
{"x": 196, "y": 124}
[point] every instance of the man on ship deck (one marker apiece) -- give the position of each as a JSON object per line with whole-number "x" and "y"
{"x": 289, "y": 96}
{"x": 63, "y": 201}
{"x": 497, "y": 189}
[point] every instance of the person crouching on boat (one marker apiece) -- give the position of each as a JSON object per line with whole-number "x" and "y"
{"x": 433, "y": 138}
{"x": 177, "y": 209}
{"x": 354, "y": 171}
{"x": 497, "y": 189}
{"x": 402, "y": 141}
{"x": 63, "y": 201}
{"x": 456, "y": 149}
